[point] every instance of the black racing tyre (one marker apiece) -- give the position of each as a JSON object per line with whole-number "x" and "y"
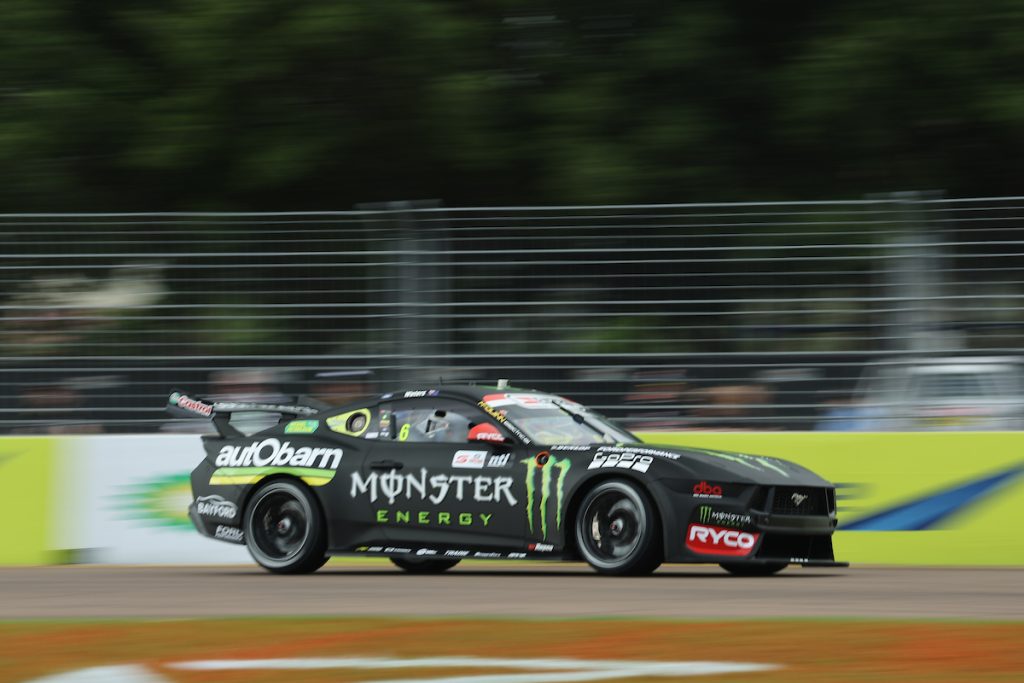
{"x": 418, "y": 566}
{"x": 284, "y": 530}
{"x": 618, "y": 531}
{"x": 745, "y": 569}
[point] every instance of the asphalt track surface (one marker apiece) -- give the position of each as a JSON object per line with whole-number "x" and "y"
{"x": 510, "y": 590}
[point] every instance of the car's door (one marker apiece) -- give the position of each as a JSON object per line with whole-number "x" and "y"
{"x": 429, "y": 486}
{"x": 350, "y": 521}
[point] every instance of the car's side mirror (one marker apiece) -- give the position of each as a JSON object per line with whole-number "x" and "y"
{"x": 486, "y": 433}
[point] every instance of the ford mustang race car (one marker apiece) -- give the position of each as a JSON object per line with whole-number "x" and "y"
{"x": 428, "y": 477}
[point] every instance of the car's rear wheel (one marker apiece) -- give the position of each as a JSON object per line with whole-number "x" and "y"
{"x": 745, "y": 569}
{"x": 419, "y": 566}
{"x": 617, "y": 529}
{"x": 284, "y": 530}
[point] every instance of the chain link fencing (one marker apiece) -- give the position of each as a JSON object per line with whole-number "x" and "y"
{"x": 896, "y": 312}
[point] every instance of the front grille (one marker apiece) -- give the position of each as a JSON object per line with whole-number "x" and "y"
{"x": 786, "y": 546}
{"x": 792, "y": 500}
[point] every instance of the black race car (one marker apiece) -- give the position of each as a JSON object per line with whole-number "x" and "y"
{"x": 429, "y": 477}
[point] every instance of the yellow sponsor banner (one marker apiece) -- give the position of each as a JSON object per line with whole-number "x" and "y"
{"x": 26, "y": 488}
{"x": 928, "y": 498}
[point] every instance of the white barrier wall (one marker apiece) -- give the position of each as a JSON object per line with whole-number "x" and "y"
{"x": 124, "y": 499}
{"x": 919, "y": 499}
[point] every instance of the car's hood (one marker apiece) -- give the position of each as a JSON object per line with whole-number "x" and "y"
{"x": 702, "y": 463}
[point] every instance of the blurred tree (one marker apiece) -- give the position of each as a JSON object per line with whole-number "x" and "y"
{"x": 315, "y": 104}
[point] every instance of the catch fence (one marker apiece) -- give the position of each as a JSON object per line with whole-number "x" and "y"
{"x": 690, "y": 316}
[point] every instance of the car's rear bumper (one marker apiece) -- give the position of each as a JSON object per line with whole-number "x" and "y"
{"x": 197, "y": 522}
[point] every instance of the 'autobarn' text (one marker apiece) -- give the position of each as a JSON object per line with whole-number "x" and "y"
{"x": 273, "y": 453}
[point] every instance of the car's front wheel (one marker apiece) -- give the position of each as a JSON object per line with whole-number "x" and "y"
{"x": 423, "y": 566}
{"x": 745, "y": 569}
{"x": 284, "y": 530}
{"x": 617, "y": 529}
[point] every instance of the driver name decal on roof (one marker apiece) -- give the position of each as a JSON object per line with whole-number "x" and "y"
{"x": 530, "y": 401}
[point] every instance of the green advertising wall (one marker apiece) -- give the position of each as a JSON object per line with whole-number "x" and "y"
{"x": 27, "y": 471}
{"x": 933, "y": 498}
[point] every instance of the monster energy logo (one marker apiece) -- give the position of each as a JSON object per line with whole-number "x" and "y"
{"x": 546, "y": 470}
{"x": 705, "y": 514}
{"x": 708, "y": 516}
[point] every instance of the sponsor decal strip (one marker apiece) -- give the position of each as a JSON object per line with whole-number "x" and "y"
{"x": 432, "y": 517}
{"x": 626, "y": 460}
{"x": 435, "y": 488}
{"x": 708, "y": 514}
{"x": 713, "y": 540}
{"x": 473, "y": 460}
{"x": 216, "y": 507}
{"x": 249, "y": 464}
{"x": 250, "y": 475}
{"x": 229, "y": 533}
{"x": 301, "y": 426}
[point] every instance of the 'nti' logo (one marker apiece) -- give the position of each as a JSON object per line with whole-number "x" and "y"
{"x": 546, "y": 470}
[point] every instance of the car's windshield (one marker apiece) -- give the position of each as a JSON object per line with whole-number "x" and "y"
{"x": 553, "y": 420}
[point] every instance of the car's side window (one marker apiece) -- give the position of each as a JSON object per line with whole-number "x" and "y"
{"x": 426, "y": 421}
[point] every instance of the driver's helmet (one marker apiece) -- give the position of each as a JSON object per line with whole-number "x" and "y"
{"x": 485, "y": 431}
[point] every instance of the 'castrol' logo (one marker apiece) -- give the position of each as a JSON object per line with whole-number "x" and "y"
{"x": 714, "y": 540}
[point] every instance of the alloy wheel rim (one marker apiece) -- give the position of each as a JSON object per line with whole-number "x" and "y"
{"x": 279, "y": 526}
{"x": 612, "y": 526}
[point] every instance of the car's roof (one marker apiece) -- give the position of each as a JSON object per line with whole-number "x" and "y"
{"x": 472, "y": 392}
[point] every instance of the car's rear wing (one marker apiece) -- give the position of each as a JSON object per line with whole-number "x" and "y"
{"x": 183, "y": 405}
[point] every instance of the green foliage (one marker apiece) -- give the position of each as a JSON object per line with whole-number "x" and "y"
{"x": 182, "y": 104}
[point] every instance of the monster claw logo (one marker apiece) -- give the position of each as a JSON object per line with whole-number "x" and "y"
{"x": 705, "y": 514}
{"x": 546, "y": 467}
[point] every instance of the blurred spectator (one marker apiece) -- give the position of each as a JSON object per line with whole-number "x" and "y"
{"x": 734, "y": 406}
{"x": 338, "y": 387}
{"x": 54, "y": 409}
{"x": 257, "y": 385}
{"x": 846, "y": 415}
{"x": 657, "y": 399}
